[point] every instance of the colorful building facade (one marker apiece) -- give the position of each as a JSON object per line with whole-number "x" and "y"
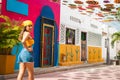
{"x": 63, "y": 34}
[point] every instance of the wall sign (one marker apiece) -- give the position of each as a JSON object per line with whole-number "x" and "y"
{"x": 75, "y": 19}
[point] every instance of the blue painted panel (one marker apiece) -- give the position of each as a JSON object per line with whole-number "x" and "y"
{"x": 15, "y": 51}
{"x": 18, "y": 7}
{"x": 56, "y": 46}
{"x": 37, "y": 33}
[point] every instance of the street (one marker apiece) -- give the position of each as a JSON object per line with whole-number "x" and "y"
{"x": 87, "y": 73}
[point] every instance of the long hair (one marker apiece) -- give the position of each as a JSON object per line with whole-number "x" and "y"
{"x": 21, "y": 34}
{"x": 25, "y": 24}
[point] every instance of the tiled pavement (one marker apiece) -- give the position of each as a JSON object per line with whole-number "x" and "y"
{"x": 78, "y": 72}
{"x": 95, "y": 73}
{"x": 52, "y": 69}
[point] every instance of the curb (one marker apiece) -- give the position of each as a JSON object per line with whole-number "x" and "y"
{"x": 38, "y": 71}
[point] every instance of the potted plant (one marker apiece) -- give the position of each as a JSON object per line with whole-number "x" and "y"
{"x": 118, "y": 55}
{"x": 116, "y": 38}
{"x": 9, "y": 32}
{"x": 117, "y": 58}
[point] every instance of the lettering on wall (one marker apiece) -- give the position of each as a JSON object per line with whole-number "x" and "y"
{"x": 94, "y": 26}
{"x": 75, "y": 19}
{"x": 17, "y": 6}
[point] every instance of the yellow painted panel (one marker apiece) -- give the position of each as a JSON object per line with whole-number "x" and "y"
{"x": 69, "y": 54}
{"x": 94, "y": 54}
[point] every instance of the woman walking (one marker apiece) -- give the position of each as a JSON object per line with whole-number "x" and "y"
{"x": 25, "y": 58}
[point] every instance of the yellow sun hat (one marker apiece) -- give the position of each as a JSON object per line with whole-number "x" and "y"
{"x": 27, "y": 22}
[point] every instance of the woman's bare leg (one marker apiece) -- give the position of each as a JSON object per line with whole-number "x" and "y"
{"x": 22, "y": 69}
{"x": 30, "y": 69}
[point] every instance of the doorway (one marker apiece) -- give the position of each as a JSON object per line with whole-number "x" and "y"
{"x": 83, "y": 46}
{"x": 47, "y": 45}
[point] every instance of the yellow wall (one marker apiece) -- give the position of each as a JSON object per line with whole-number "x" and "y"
{"x": 69, "y": 54}
{"x": 94, "y": 54}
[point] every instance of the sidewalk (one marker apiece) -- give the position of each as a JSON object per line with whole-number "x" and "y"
{"x": 51, "y": 69}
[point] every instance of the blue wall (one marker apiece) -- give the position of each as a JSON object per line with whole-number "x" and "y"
{"x": 48, "y": 13}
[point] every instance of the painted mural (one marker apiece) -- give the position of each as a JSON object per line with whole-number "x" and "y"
{"x": 35, "y": 11}
{"x": 94, "y": 54}
{"x": 69, "y": 55}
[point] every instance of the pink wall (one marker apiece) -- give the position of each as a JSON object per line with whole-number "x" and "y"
{"x": 34, "y": 10}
